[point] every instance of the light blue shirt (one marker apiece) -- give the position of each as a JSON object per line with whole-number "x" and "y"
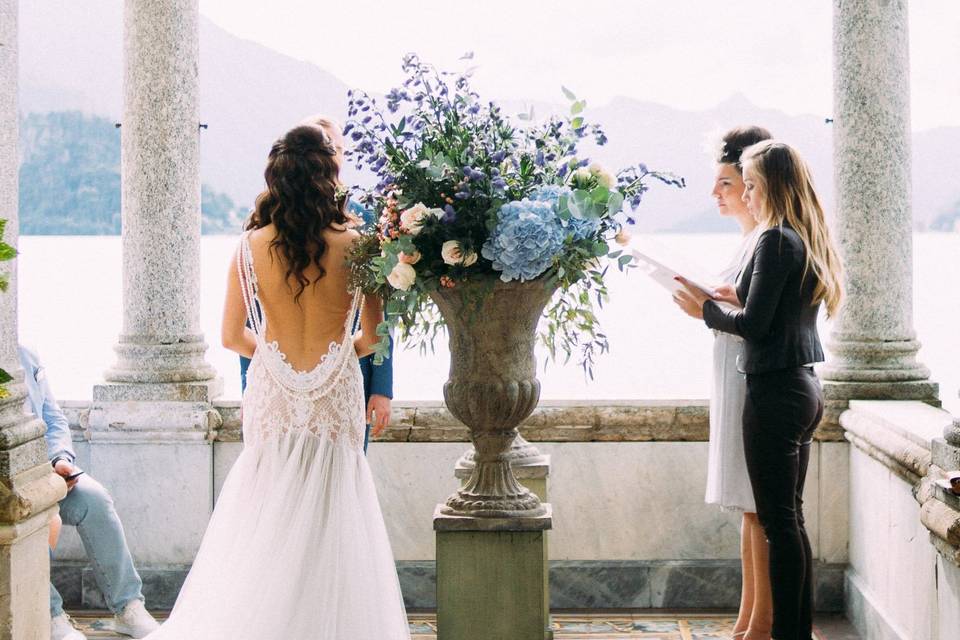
{"x": 44, "y": 406}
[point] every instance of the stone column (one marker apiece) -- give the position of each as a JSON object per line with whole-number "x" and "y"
{"x": 160, "y": 159}
{"x": 152, "y": 422}
{"x": 873, "y": 342}
{"x": 29, "y": 490}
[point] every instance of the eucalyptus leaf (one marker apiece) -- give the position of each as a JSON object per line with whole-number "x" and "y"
{"x": 614, "y": 203}
{"x": 569, "y": 94}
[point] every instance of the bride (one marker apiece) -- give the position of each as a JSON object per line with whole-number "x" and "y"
{"x": 296, "y": 547}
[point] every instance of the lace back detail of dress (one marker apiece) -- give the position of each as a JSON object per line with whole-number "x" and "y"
{"x": 326, "y": 400}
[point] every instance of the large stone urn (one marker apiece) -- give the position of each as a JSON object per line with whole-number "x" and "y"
{"x": 493, "y": 387}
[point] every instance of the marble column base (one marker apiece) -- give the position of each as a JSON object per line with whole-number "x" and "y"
{"x": 874, "y": 361}
{"x": 492, "y": 574}
{"x": 160, "y": 359}
{"x": 838, "y": 394}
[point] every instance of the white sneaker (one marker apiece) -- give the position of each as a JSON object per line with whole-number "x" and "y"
{"x": 62, "y": 629}
{"x": 134, "y": 620}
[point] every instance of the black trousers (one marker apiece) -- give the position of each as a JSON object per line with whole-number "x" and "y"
{"x": 781, "y": 412}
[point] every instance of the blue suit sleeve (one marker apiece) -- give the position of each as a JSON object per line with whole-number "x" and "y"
{"x": 381, "y": 376}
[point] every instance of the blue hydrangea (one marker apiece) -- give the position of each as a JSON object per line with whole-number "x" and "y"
{"x": 579, "y": 227}
{"x": 527, "y": 237}
{"x": 550, "y": 193}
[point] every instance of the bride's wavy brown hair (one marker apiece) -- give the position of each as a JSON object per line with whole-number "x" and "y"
{"x": 300, "y": 200}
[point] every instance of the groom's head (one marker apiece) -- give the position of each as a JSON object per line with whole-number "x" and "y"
{"x": 331, "y": 129}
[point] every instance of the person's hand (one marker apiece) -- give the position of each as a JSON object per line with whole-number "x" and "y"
{"x": 727, "y": 293}
{"x": 64, "y": 469}
{"x": 378, "y": 414}
{"x": 690, "y": 299}
{"x": 688, "y": 304}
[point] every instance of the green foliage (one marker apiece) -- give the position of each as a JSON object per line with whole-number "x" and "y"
{"x": 7, "y": 253}
{"x": 456, "y": 176}
{"x": 70, "y": 179}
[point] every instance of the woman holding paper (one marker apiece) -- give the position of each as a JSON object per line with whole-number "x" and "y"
{"x": 728, "y": 484}
{"x": 793, "y": 269}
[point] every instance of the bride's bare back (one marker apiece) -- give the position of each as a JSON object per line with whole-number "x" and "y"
{"x": 305, "y": 328}
{"x": 303, "y": 331}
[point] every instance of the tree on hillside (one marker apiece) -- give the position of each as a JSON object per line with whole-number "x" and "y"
{"x": 70, "y": 179}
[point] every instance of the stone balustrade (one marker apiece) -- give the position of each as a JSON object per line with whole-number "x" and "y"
{"x": 904, "y": 575}
{"x": 552, "y": 421}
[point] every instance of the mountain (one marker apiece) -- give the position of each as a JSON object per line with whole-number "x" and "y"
{"x": 70, "y": 179}
{"x": 71, "y": 59}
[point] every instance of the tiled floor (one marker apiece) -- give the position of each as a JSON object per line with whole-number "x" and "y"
{"x": 655, "y": 626}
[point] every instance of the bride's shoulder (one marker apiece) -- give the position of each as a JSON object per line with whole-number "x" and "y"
{"x": 342, "y": 234}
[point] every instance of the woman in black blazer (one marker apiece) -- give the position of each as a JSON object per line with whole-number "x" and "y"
{"x": 795, "y": 267}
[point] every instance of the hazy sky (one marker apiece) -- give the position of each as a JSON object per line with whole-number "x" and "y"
{"x": 689, "y": 54}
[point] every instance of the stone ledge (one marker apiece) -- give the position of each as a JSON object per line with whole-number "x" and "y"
{"x": 552, "y": 421}
{"x": 906, "y": 438}
{"x": 898, "y": 434}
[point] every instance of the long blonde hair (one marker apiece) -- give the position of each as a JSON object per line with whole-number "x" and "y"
{"x": 788, "y": 196}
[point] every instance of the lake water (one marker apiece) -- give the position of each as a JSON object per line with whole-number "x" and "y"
{"x": 70, "y": 311}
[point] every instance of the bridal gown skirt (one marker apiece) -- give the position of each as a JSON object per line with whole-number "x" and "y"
{"x": 296, "y": 549}
{"x": 728, "y": 483}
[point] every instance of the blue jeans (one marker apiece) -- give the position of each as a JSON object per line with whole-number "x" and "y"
{"x": 89, "y": 508}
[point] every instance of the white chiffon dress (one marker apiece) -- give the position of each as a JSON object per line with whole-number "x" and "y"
{"x": 296, "y": 548}
{"x": 728, "y": 484}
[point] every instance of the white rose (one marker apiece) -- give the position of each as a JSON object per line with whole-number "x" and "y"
{"x": 604, "y": 177}
{"x": 413, "y": 218}
{"x": 402, "y": 277}
{"x": 453, "y": 254}
{"x": 412, "y": 258}
{"x": 582, "y": 175}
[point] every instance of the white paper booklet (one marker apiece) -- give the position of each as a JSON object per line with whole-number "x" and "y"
{"x": 658, "y": 263}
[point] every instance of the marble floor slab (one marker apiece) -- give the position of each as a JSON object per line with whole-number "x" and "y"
{"x": 649, "y": 626}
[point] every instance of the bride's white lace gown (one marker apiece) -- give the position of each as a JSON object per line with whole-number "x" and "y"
{"x": 296, "y": 548}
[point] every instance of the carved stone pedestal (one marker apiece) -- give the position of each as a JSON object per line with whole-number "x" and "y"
{"x": 492, "y": 577}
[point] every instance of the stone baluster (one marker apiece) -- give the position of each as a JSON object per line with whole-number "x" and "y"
{"x": 29, "y": 490}
{"x": 873, "y": 342}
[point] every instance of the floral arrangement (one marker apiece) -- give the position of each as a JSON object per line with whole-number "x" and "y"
{"x": 7, "y": 252}
{"x": 462, "y": 195}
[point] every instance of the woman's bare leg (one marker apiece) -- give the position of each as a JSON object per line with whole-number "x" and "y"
{"x": 55, "y": 524}
{"x": 761, "y": 617}
{"x": 747, "y": 592}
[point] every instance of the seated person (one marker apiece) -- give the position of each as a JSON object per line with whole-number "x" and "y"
{"x": 89, "y": 508}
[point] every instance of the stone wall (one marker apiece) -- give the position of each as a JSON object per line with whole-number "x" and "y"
{"x": 903, "y": 581}
{"x": 627, "y": 484}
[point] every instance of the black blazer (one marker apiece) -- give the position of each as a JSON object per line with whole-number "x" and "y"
{"x": 778, "y": 321}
